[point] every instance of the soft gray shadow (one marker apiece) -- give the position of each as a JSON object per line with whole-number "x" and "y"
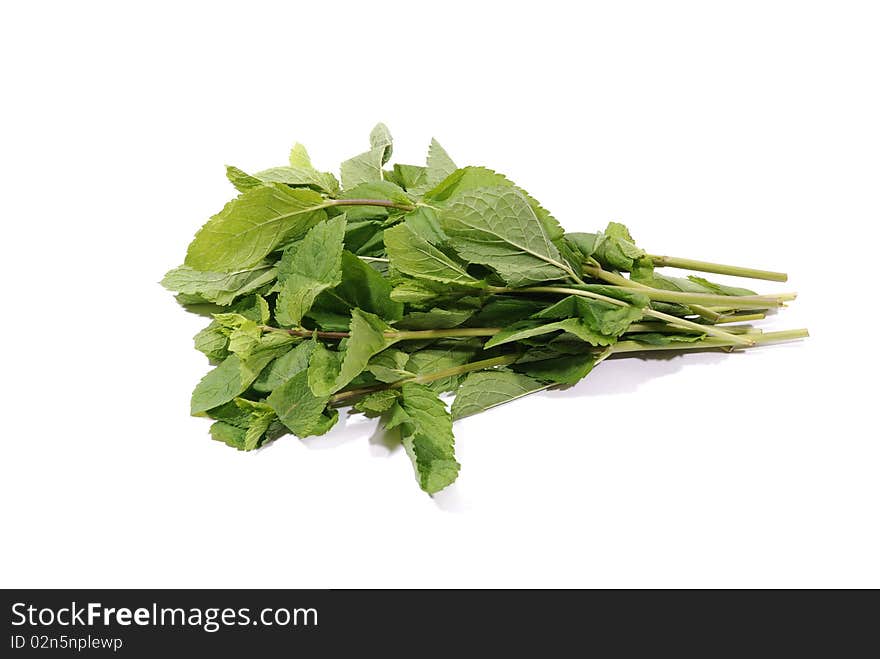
{"x": 384, "y": 442}
{"x": 344, "y": 431}
{"x": 355, "y": 427}
{"x": 625, "y": 374}
{"x": 450, "y": 500}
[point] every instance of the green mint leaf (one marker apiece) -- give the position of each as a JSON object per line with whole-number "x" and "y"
{"x": 427, "y": 437}
{"x": 475, "y": 178}
{"x": 299, "y": 157}
{"x": 602, "y": 317}
{"x": 307, "y": 268}
{"x": 362, "y": 168}
{"x": 300, "y": 176}
{"x": 250, "y": 419}
{"x": 219, "y": 386}
{"x": 328, "y": 321}
{"x": 369, "y": 336}
{"x": 285, "y": 367}
{"x": 377, "y": 190}
{"x": 691, "y": 284}
{"x": 241, "y": 180}
{"x": 497, "y": 227}
{"x": 424, "y": 294}
{"x": 585, "y": 243}
{"x": 219, "y": 287}
{"x": 568, "y": 369}
{"x": 244, "y": 334}
{"x": 642, "y": 269}
{"x": 363, "y": 287}
{"x": 424, "y": 223}
{"x": 261, "y": 416}
{"x": 380, "y": 138}
{"x": 389, "y": 366}
{"x": 435, "y": 318}
{"x": 410, "y": 177}
{"x": 571, "y": 256}
{"x": 616, "y": 248}
{"x": 252, "y": 225}
{"x": 502, "y": 311}
{"x": 719, "y": 289}
{"x": 257, "y": 357}
{"x": 442, "y": 355}
{"x": 302, "y": 412}
{"x": 363, "y": 237}
{"x": 377, "y": 403}
{"x": 212, "y": 342}
{"x": 658, "y": 339}
{"x": 235, "y": 374}
{"x": 415, "y": 256}
{"x": 228, "y": 434}
{"x": 562, "y": 346}
{"x": 439, "y": 164}
{"x": 464, "y": 180}
{"x": 299, "y": 173}
{"x": 253, "y": 307}
{"x": 324, "y": 368}
{"x": 486, "y": 389}
{"x": 416, "y": 292}
{"x": 263, "y": 308}
{"x": 527, "y": 329}
{"x": 629, "y": 295}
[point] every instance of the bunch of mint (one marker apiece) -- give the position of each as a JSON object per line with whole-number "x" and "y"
{"x": 401, "y": 283}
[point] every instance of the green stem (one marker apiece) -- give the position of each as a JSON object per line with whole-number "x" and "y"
{"x": 400, "y": 335}
{"x": 346, "y": 395}
{"x": 711, "y": 343}
{"x": 408, "y": 335}
{"x": 729, "y": 301}
{"x": 408, "y": 207}
{"x": 385, "y": 203}
{"x": 602, "y": 356}
{"x": 638, "y": 328}
{"x": 706, "y": 329}
{"x": 597, "y": 272}
{"x": 717, "y": 268}
{"x": 672, "y": 320}
{"x": 736, "y": 318}
{"x": 688, "y": 299}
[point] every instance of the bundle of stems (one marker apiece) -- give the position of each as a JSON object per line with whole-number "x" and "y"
{"x": 405, "y": 282}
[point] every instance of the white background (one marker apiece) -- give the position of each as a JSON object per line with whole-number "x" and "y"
{"x": 735, "y": 132}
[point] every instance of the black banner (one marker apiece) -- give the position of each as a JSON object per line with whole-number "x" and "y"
{"x": 134, "y": 623}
